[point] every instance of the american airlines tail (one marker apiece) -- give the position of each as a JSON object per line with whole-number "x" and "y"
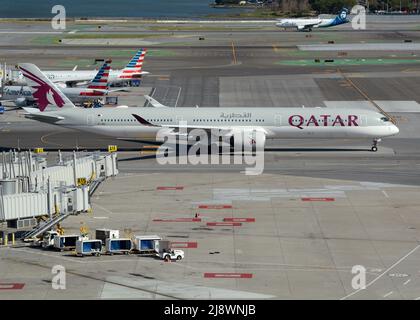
{"x": 101, "y": 79}
{"x": 134, "y": 68}
{"x": 45, "y": 93}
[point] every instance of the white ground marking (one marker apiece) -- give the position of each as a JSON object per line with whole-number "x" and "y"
{"x": 47, "y": 255}
{"x": 29, "y": 32}
{"x": 100, "y": 218}
{"x": 388, "y": 294}
{"x": 405, "y": 283}
{"x": 134, "y": 175}
{"x": 385, "y": 194}
{"x": 383, "y": 273}
{"x": 100, "y": 207}
{"x": 252, "y": 194}
{"x": 418, "y": 298}
{"x": 177, "y": 98}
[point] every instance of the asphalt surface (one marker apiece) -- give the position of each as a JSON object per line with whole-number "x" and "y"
{"x": 372, "y": 220}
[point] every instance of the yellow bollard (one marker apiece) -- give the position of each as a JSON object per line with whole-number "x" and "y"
{"x": 13, "y": 239}
{"x": 6, "y": 239}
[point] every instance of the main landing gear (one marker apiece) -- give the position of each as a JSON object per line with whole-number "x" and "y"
{"x": 375, "y": 145}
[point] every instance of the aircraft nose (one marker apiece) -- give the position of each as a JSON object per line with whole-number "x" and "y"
{"x": 394, "y": 129}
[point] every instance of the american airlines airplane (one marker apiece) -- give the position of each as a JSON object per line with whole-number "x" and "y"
{"x": 22, "y": 96}
{"x": 133, "y": 70}
{"x": 304, "y": 24}
{"x": 145, "y": 123}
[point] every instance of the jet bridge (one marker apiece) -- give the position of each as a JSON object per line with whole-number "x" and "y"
{"x": 35, "y": 196}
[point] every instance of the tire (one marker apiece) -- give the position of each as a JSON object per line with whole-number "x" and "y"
{"x": 374, "y": 149}
{"x": 167, "y": 258}
{"x": 178, "y": 258}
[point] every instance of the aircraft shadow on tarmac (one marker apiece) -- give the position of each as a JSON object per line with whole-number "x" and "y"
{"x": 315, "y": 149}
{"x": 291, "y": 150}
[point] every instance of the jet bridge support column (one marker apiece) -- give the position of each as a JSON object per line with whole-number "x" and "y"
{"x": 74, "y": 169}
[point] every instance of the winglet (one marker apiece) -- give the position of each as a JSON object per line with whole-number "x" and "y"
{"x": 143, "y": 121}
{"x": 154, "y": 102}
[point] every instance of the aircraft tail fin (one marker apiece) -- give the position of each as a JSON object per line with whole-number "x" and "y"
{"x": 45, "y": 93}
{"x": 342, "y": 16}
{"x": 134, "y": 68}
{"x": 101, "y": 79}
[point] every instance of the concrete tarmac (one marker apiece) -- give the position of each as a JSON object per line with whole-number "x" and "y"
{"x": 320, "y": 208}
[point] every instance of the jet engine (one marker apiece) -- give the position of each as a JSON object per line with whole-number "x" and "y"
{"x": 21, "y": 102}
{"x": 248, "y": 140}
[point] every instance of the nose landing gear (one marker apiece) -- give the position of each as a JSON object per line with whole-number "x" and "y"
{"x": 375, "y": 145}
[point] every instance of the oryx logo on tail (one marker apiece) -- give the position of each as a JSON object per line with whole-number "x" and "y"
{"x": 42, "y": 92}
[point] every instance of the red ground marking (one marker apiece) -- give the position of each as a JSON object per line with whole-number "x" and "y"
{"x": 227, "y": 224}
{"x": 170, "y": 188}
{"x": 178, "y": 220}
{"x": 11, "y": 286}
{"x": 228, "y": 275}
{"x": 318, "y": 199}
{"x": 215, "y": 206}
{"x": 187, "y": 245}
{"x": 239, "y": 219}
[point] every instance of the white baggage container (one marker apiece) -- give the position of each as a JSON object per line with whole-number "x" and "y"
{"x": 146, "y": 243}
{"x": 66, "y": 242}
{"x": 121, "y": 245}
{"x": 89, "y": 247}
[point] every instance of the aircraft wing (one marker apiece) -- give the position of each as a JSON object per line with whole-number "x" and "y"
{"x": 119, "y": 90}
{"x": 154, "y": 102}
{"x": 221, "y": 130}
{"x": 106, "y": 91}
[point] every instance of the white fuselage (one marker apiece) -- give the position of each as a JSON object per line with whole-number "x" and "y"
{"x": 22, "y": 95}
{"x": 302, "y": 23}
{"x": 299, "y": 123}
{"x": 76, "y": 76}
{"x": 294, "y": 23}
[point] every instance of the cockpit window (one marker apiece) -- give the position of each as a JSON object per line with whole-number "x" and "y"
{"x": 385, "y": 119}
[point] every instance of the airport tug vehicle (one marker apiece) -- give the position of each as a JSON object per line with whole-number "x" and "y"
{"x": 173, "y": 254}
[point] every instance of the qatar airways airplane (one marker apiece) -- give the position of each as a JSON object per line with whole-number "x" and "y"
{"x": 145, "y": 123}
